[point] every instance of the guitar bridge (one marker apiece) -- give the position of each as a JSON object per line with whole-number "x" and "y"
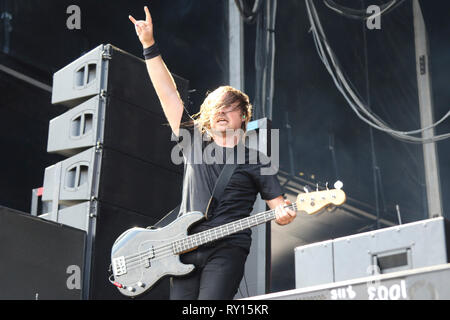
{"x": 119, "y": 266}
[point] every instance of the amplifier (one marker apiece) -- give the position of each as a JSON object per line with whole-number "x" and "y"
{"x": 40, "y": 260}
{"x": 429, "y": 283}
{"x": 419, "y": 244}
{"x": 46, "y": 260}
{"x": 414, "y": 245}
{"x": 314, "y": 264}
{"x": 107, "y": 223}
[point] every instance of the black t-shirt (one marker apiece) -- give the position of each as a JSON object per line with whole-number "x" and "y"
{"x": 203, "y": 161}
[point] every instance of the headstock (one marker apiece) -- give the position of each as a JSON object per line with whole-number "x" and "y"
{"x": 313, "y": 202}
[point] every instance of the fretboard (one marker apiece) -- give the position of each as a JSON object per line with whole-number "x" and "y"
{"x": 210, "y": 235}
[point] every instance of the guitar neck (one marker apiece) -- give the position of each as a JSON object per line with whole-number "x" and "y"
{"x": 210, "y": 235}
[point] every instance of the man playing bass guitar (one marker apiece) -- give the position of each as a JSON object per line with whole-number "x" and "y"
{"x": 221, "y": 124}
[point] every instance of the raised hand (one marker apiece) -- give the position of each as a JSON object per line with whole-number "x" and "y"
{"x": 144, "y": 29}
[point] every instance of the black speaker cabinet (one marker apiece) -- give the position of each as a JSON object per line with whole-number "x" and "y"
{"x": 108, "y": 223}
{"x": 115, "y": 124}
{"x": 40, "y": 260}
{"x": 119, "y": 172}
{"x": 113, "y": 105}
{"x": 115, "y": 178}
{"x": 115, "y": 136}
{"x": 109, "y": 71}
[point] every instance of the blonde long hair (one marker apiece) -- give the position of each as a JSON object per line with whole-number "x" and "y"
{"x": 222, "y": 97}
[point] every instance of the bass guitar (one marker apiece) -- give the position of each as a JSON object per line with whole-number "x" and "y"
{"x": 140, "y": 257}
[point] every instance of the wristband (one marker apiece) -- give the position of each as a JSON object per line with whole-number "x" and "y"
{"x": 151, "y": 52}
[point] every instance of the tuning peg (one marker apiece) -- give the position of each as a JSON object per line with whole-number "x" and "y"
{"x": 326, "y": 186}
{"x": 317, "y": 187}
{"x": 307, "y": 189}
{"x": 338, "y": 185}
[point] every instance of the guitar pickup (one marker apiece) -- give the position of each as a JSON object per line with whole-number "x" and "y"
{"x": 151, "y": 255}
{"x": 119, "y": 266}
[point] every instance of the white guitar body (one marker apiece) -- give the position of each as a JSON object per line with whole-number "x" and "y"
{"x": 138, "y": 261}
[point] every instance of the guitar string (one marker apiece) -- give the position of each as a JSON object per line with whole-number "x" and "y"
{"x": 186, "y": 239}
{"x": 167, "y": 253}
{"x": 167, "y": 250}
{"x": 166, "y": 247}
{"x": 164, "y": 254}
{"x": 197, "y": 235}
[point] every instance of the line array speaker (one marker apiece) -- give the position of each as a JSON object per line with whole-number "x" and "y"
{"x": 118, "y": 173}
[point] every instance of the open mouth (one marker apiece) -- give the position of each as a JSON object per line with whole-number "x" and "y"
{"x": 221, "y": 121}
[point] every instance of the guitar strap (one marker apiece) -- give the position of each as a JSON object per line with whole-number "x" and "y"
{"x": 219, "y": 188}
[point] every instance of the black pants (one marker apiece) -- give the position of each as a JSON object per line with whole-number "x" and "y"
{"x": 218, "y": 271}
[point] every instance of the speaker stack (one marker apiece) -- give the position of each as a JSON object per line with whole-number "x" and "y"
{"x": 118, "y": 172}
{"x": 40, "y": 260}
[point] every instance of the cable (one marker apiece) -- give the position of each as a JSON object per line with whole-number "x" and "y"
{"x": 249, "y": 16}
{"x": 362, "y": 14}
{"x": 271, "y": 57}
{"x": 349, "y": 94}
{"x": 264, "y": 60}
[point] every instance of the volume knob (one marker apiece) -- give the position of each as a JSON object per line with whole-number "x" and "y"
{"x": 141, "y": 284}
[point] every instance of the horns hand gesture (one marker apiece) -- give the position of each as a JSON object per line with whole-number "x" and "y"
{"x": 144, "y": 29}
